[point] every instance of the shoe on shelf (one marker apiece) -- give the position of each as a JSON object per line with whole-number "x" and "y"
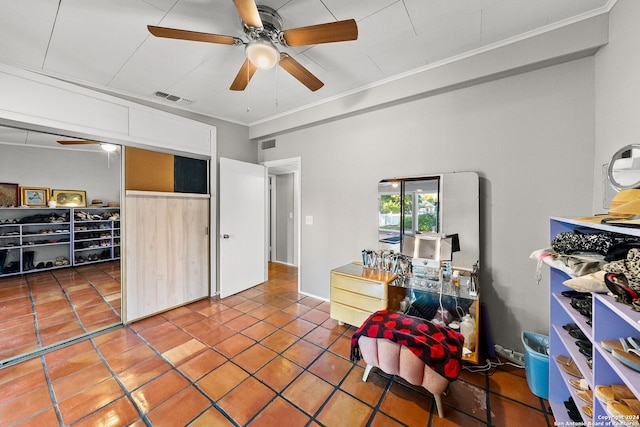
{"x": 607, "y": 393}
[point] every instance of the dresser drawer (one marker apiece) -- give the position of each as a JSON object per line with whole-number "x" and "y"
{"x": 362, "y": 302}
{"x": 373, "y": 289}
{"x": 349, "y": 315}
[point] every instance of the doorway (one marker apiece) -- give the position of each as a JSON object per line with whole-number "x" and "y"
{"x": 284, "y": 211}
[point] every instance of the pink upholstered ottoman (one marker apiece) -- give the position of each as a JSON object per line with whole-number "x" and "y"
{"x": 396, "y": 359}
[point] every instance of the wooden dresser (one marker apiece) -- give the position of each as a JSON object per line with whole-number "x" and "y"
{"x": 358, "y": 291}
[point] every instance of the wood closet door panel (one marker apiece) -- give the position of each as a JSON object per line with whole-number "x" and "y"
{"x": 167, "y": 251}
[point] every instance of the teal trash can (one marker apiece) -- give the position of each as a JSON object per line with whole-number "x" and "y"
{"x": 536, "y": 363}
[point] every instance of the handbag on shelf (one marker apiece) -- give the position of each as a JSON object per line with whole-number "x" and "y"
{"x": 570, "y": 242}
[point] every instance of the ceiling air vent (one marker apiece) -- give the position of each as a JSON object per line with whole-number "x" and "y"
{"x": 269, "y": 143}
{"x": 172, "y": 98}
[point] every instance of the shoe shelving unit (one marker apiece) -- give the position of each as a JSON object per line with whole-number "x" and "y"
{"x": 56, "y": 238}
{"x": 96, "y": 235}
{"x": 610, "y": 320}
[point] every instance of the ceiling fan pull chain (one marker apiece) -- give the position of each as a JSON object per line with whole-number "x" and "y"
{"x": 277, "y": 86}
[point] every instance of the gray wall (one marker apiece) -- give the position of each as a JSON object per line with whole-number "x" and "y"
{"x": 284, "y": 224}
{"x": 617, "y": 90}
{"x": 530, "y": 138}
{"x": 62, "y": 169}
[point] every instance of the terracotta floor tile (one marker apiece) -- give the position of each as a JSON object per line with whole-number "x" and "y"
{"x": 170, "y": 340}
{"x": 241, "y": 322}
{"x": 71, "y": 385}
{"x": 234, "y": 345}
{"x": 18, "y": 370}
{"x": 311, "y": 302}
{"x": 454, "y": 417}
{"x": 342, "y": 409}
{"x": 296, "y": 309}
{"x": 180, "y": 354}
{"x": 382, "y": 420}
{"x": 514, "y": 386}
{"x": 403, "y": 404}
{"x": 254, "y": 358}
{"x": 226, "y": 315}
{"x": 468, "y": 398}
{"x": 22, "y": 385}
{"x": 147, "y": 323}
{"x": 278, "y": 373}
{"x": 246, "y": 400}
{"x": 200, "y": 365}
{"x": 247, "y": 306}
{"x": 89, "y": 401}
{"x": 315, "y": 316}
{"x": 157, "y": 391}
{"x": 369, "y": 392}
{"x": 187, "y": 319}
{"x": 221, "y": 380}
{"x": 299, "y": 327}
{"x": 279, "y": 319}
{"x": 212, "y": 417}
{"x": 25, "y": 406}
{"x": 48, "y": 417}
{"x": 210, "y": 332}
{"x": 123, "y": 361}
{"x": 259, "y": 331}
{"x": 73, "y": 364}
{"x": 322, "y": 337}
{"x": 506, "y": 413}
{"x": 330, "y": 367}
{"x": 342, "y": 346}
{"x": 303, "y": 353}
{"x": 280, "y": 413}
{"x": 308, "y": 392}
{"x": 144, "y": 372}
{"x": 279, "y": 341}
{"x": 122, "y": 412}
{"x": 263, "y": 312}
{"x": 180, "y": 409}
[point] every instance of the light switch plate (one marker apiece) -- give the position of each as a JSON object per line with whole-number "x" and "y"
{"x": 308, "y": 220}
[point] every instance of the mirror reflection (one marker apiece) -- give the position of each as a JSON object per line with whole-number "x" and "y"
{"x": 624, "y": 168}
{"x": 59, "y": 240}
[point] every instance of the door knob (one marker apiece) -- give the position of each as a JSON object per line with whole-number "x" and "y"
{"x": 225, "y": 236}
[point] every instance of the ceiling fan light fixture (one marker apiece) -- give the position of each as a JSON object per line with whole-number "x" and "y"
{"x": 109, "y": 148}
{"x": 262, "y": 53}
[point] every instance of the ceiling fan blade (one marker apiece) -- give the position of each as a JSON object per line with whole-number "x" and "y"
{"x": 173, "y": 33}
{"x": 296, "y": 69}
{"x": 77, "y": 142}
{"x": 249, "y": 12}
{"x": 244, "y": 76}
{"x": 330, "y": 32}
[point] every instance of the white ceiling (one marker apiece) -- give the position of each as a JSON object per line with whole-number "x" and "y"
{"x": 105, "y": 44}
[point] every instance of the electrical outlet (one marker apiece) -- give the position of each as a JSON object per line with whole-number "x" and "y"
{"x": 510, "y": 355}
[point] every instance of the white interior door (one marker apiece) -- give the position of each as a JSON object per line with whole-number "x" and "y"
{"x": 243, "y": 226}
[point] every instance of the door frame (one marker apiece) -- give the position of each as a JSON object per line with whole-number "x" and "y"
{"x": 279, "y": 167}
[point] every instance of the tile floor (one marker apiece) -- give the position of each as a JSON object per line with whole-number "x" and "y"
{"x": 268, "y": 356}
{"x": 43, "y": 308}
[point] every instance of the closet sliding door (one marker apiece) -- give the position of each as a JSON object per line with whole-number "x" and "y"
{"x": 167, "y": 251}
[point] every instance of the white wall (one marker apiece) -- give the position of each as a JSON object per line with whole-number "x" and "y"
{"x": 617, "y": 89}
{"x": 62, "y": 169}
{"x": 529, "y": 137}
{"x": 284, "y": 218}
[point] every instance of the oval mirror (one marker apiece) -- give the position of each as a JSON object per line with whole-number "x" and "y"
{"x": 624, "y": 168}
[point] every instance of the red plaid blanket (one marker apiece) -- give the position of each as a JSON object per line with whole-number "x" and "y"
{"x": 439, "y": 347}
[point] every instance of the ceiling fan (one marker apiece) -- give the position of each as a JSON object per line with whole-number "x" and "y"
{"x": 262, "y": 25}
{"x": 104, "y": 145}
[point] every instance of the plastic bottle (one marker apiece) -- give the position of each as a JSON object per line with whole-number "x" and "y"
{"x": 468, "y": 329}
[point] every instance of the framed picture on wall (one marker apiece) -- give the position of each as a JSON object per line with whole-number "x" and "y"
{"x": 9, "y": 195}
{"x": 34, "y": 196}
{"x": 70, "y": 198}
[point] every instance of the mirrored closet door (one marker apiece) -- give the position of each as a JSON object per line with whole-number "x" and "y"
{"x": 60, "y": 239}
